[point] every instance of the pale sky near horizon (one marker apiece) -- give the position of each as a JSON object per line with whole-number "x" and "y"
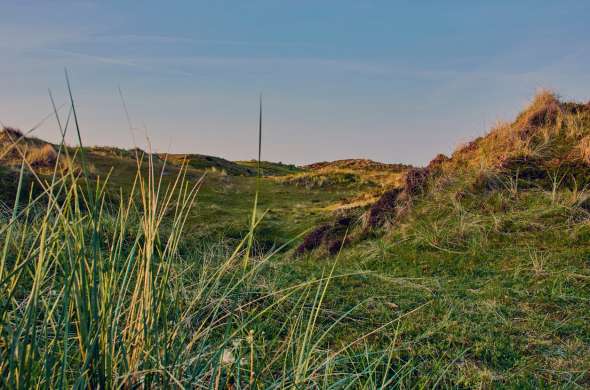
{"x": 394, "y": 81}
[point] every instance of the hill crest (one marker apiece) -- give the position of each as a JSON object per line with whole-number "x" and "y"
{"x": 357, "y": 164}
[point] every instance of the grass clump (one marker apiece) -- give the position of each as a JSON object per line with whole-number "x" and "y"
{"x": 45, "y": 156}
{"x": 324, "y": 179}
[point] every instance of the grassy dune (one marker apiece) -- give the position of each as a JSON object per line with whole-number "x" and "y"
{"x": 472, "y": 272}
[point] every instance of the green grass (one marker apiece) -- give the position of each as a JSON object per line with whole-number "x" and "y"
{"x": 328, "y": 180}
{"x": 109, "y": 295}
{"x": 473, "y": 289}
{"x": 505, "y": 281}
{"x": 270, "y": 168}
{"x": 223, "y": 208}
{"x": 210, "y": 163}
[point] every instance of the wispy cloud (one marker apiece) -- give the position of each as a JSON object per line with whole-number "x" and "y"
{"x": 189, "y": 65}
{"x": 172, "y": 64}
{"x": 175, "y": 39}
{"x": 93, "y": 58}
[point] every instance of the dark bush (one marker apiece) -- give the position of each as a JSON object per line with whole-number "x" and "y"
{"x": 416, "y": 180}
{"x": 384, "y": 208}
{"x": 313, "y": 240}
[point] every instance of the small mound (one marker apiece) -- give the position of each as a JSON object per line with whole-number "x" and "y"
{"x": 389, "y": 206}
{"x": 209, "y": 163}
{"x": 543, "y": 111}
{"x": 313, "y": 240}
{"x": 436, "y": 162}
{"x": 395, "y": 201}
{"x": 321, "y": 179}
{"x": 40, "y": 155}
{"x": 269, "y": 168}
{"x": 360, "y": 164}
{"x": 119, "y": 153}
{"x": 14, "y": 145}
{"x": 137, "y": 151}
{"x": 333, "y": 236}
{"x": 11, "y": 134}
{"x": 43, "y": 157}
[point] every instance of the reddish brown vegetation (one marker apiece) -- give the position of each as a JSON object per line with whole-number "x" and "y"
{"x": 436, "y": 162}
{"x": 526, "y": 167}
{"x": 545, "y": 115}
{"x": 313, "y": 240}
{"x": 12, "y": 133}
{"x": 332, "y": 235}
{"x": 389, "y": 206}
{"x": 548, "y": 145}
{"x": 384, "y": 208}
{"x": 575, "y": 108}
{"x": 396, "y": 200}
{"x": 334, "y": 246}
{"x": 468, "y": 147}
{"x": 416, "y": 180}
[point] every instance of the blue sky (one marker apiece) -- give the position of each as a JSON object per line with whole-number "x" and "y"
{"x": 387, "y": 80}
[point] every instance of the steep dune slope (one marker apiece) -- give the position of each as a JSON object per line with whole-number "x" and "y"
{"x": 480, "y": 259}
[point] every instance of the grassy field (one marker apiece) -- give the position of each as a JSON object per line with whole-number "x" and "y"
{"x": 223, "y": 208}
{"x": 473, "y": 272}
{"x": 491, "y": 290}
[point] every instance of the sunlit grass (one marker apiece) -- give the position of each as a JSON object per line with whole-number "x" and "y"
{"x": 103, "y": 291}
{"x": 482, "y": 281}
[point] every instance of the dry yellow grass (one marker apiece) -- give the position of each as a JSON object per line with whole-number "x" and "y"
{"x": 44, "y": 156}
{"x": 582, "y": 149}
{"x": 548, "y": 129}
